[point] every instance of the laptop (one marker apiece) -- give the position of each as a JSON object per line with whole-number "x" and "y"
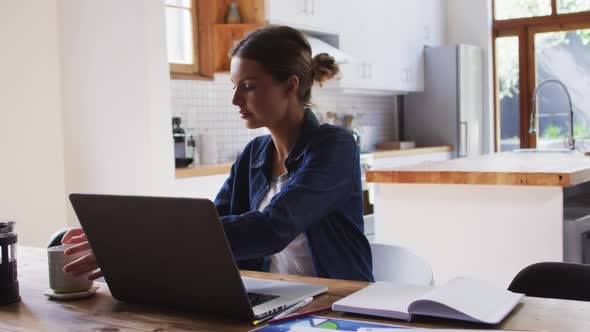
{"x": 173, "y": 252}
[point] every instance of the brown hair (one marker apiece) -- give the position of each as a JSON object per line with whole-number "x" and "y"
{"x": 283, "y": 52}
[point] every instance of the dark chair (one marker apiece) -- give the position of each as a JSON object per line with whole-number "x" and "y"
{"x": 556, "y": 280}
{"x": 55, "y": 239}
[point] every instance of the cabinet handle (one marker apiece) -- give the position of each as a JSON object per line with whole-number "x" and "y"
{"x": 405, "y": 75}
{"x": 463, "y": 139}
{"x": 370, "y": 65}
{"x": 312, "y": 7}
{"x": 302, "y": 8}
{"x": 306, "y": 6}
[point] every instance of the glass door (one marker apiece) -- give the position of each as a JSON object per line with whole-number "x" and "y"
{"x": 562, "y": 85}
{"x": 541, "y": 62}
{"x": 508, "y": 92}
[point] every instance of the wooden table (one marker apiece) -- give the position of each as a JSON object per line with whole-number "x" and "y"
{"x": 102, "y": 313}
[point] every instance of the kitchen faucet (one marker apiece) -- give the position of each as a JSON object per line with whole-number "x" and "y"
{"x": 571, "y": 142}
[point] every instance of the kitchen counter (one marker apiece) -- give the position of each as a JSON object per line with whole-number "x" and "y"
{"x": 406, "y": 152}
{"x": 203, "y": 170}
{"x": 224, "y": 168}
{"x": 508, "y": 168}
{"x": 488, "y": 216}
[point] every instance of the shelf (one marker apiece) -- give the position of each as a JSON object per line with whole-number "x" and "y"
{"x": 252, "y": 11}
{"x": 225, "y": 36}
{"x": 203, "y": 170}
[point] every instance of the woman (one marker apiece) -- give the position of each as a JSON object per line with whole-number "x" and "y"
{"x": 293, "y": 201}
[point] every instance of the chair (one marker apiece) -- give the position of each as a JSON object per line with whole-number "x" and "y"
{"x": 55, "y": 239}
{"x": 568, "y": 281}
{"x": 398, "y": 264}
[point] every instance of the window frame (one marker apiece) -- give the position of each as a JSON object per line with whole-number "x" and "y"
{"x": 178, "y": 70}
{"x": 525, "y": 29}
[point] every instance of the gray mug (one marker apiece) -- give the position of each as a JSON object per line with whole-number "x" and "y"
{"x": 65, "y": 282}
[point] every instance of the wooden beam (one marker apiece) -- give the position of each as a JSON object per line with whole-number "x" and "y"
{"x": 206, "y": 12}
{"x": 542, "y": 20}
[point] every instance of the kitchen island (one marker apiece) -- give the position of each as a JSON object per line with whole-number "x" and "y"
{"x": 487, "y": 216}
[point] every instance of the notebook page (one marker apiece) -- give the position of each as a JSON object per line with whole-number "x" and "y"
{"x": 475, "y": 298}
{"x": 382, "y": 299}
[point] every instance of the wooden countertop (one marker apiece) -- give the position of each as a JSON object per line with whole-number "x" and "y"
{"x": 203, "y": 170}
{"x": 101, "y": 312}
{"x": 224, "y": 168}
{"x": 406, "y": 152}
{"x": 508, "y": 168}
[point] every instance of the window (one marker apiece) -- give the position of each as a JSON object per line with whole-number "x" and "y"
{"x": 509, "y": 9}
{"x": 181, "y": 36}
{"x": 572, "y": 6}
{"x": 542, "y": 46}
{"x": 507, "y": 69}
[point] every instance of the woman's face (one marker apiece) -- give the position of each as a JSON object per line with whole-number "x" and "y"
{"x": 263, "y": 102}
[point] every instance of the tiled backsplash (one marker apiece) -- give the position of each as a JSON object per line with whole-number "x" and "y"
{"x": 206, "y": 107}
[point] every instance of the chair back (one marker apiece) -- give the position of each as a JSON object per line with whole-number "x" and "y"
{"x": 558, "y": 280}
{"x": 398, "y": 264}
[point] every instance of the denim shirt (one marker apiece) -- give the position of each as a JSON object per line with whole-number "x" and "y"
{"x": 322, "y": 199}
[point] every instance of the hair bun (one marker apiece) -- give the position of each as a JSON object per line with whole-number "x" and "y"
{"x": 323, "y": 67}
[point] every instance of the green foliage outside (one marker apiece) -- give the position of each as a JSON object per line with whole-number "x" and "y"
{"x": 507, "y": 47}
{"x": 553, "y": 131}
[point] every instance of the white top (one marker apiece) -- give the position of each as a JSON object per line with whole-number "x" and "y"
{"x": 295, "y": 258}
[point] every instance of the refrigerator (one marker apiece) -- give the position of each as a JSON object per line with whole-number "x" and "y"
{"x": 450, "y": 110}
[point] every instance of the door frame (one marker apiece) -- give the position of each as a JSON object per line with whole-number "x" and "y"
{"x": 525, "y": 29}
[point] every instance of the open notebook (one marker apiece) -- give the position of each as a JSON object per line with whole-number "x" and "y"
{"x": 461, "y": 298}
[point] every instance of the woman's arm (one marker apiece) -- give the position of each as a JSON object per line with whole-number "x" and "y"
{"x": 223, "y": 199}
{"x": 323, "y": 182}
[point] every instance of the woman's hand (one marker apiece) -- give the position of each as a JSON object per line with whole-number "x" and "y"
{"x": 84, "y": 264}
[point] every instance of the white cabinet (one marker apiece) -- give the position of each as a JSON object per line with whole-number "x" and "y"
{"x": 354, "y": 42}
{"x": 315, "y": 15}
{"x": 287, "y": 11}
{"x": 386, "y": 38}
{"x": 434, "y": 20}
{"x": 369, "y": 42}
{"x": 405, "y": 41}
{"x": 389, "y": 45}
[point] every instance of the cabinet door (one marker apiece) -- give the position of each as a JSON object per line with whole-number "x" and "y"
{"x": 314, "y": 15}
{"x": 406, "y": 33}
{"x": 433, "y": 22}
{"x": 354, "y": 42}
{"x": 387, "y": 38}
{"x": 288, "y": 12}
{"x": 326, "y": 15}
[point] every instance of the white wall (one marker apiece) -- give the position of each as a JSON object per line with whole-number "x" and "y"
{"x": 32, "y": 183}
{"x": 470, "y": 22}
{"x": 160, "y": 115}
{"x": 116, "y": 93}
{"x": 105, "y": 96}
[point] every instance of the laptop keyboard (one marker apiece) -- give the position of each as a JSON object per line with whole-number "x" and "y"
{"x": 256, "y": 299}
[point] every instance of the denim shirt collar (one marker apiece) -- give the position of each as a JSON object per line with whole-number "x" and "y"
{"x": 310, "y": 123}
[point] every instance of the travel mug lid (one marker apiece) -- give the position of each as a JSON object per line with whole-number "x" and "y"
{"x": 7, "y": 229}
